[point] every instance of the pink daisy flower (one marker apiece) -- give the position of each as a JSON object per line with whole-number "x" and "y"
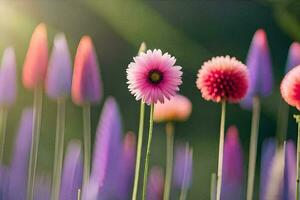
{"x": 223, "y": 79}
{"x": 153, "y": 76}
{"x": 179, "y": 108}
{"x": 290, "y": 87}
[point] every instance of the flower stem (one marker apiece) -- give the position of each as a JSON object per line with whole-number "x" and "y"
{"x": 297, "y": 117}
{"x": 221, "y": 149}
{"x": 282, "y": 121}
{"x": 253, "y": 147}
{"x": 59, "y": 148}
{"x": 169, "y": 163}
{"x": 87, "y": 142}
{"x": 148, "y": 153}
{"x": 36, "y": 126}
{"x": 3, "y": 122}
{"x": 139, "y": 151}
{"x": 184, "y": 187}
{"x": 78, "y": 194}
{"x": 213, "y": 185}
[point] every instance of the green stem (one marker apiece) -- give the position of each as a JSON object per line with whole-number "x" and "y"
{"x": 139, "y": 151}
{"x": 184, "y": 187}
{"x": 59, "y": 148}
{"x": 221, "y": 149}
{"x": 282, "y": 121}
{"x": 297, "y": 117}
{"x": 253, "y": 147}
{"x": 213, "y": 185}
{"x": 148, "y": 153}
{"x": 36, "y": 126}
{"x": 78, "y": 194}
{"x": 87, "y": 142}
{"x": 169, "y": 163}
{"x": 3, "y": 123}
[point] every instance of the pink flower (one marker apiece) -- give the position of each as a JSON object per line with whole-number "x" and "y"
{"x": 178, "y": 108}
{"x": 36, "y": 61}
{"x": 153, "y": 76}
{"x": 223, "y": 78}
{"x": 290, "y": 87}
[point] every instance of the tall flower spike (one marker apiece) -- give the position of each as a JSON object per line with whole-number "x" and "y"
{"x": 260, "y": 69}
{"x": 126, "y": 169}
{"x": 223, "y": 79}
{"x": 179, "y": 108}
{"x": 19, "y": 164}
{"x": 86, "y": 84}
{"x": 268, "y": 152}
{"x": 275, "y": 182}
{"x": 72, "y": 172}
{"x": 232, "y": 167}
{"x": 183, "y": 169}
{"x": 290, "y": 87}
{"x": 293, "y": 57}
{"x": 153, "y": 76}
{"x": 8, "y": 85}
{"x": 156, "y": 184}
{"x": 107, "y": 147}
{"x": 289, "y": 188}
{"x": 59, "y": 74}
{"x": 36, "y": 61}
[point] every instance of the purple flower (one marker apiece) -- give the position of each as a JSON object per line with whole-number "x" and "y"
{"x": 42, "y": 190}
{"x": 289, "y": 188}
{"x": 268, "y": 152}
{"x": 232, "y": 182}
{"x": 260, "y": 69}
{"x": 126, "y": 168}
{"x": 155, "y": 190}
{"x": 293, "y": 57}
{"x": 183, "y": 167}
{"x": 72, "y": 172}
{"x": 20, "y": 160}
{"x": 59, "y": 74}
{"x": 86, "y": 83}
{"x": 4, "y": 180}
{"x": 108, "y": 147}
{"x": 8, "y": 87}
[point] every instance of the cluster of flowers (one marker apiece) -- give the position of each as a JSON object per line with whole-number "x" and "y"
{"x": 154, "y": 79}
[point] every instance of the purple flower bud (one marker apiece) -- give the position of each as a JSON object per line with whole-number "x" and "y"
{"x": 232, "y": 182}
{"x": 293, "y": 56}
{"x": 268, "y": 152}
{"x": 8, "y": 87}
{"x": 42, "y": 190}
{"x": 59, "y": 74}
{"x": 260, "y": 69}
{"x": 108, "y": 147}
{"x": 72, "y": 172}
{"x": 86, "y": 83}
{"x": 183, "y": 167}
{"x": 155, "y": 190}
{"x": 20, "y": 159}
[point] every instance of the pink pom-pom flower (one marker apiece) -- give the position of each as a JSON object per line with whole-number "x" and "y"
{"x": 153, "y": 76}
{"x": 290, "y": 87}
{"x": 179, "y": 108}
{"x": 36, "y": 61}
{"x": 223, "y": 79}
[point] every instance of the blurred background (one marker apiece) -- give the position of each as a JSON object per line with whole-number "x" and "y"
{"x": 192, "y": 31}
